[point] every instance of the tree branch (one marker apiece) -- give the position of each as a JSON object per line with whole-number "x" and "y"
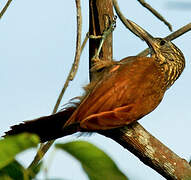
{"x": 151, "y": 151}
{"x": 155, "y": 13}
{"x": 5, "y": 8}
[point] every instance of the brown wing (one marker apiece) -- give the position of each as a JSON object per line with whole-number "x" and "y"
{"x": 129, "y": 91}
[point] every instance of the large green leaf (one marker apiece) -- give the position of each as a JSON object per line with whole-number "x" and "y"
{"x": 12, "y": 145}
{"x": 95, "y": 162}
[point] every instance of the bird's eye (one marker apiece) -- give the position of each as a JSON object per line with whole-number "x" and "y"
{"x": 162, "y": 42}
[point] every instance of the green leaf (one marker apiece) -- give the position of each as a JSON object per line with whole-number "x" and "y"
{"x": 12, "y": 145}
{"x": 95, "y": 162}
{"x": 5, "y": 177}
{"x": 14, "y": 170}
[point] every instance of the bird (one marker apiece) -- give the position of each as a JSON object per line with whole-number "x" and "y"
{"x": 125, "y": 91}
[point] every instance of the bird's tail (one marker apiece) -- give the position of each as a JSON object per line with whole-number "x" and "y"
{"x": 47, "y": 127}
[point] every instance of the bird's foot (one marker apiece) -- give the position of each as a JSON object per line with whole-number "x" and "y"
{"x": 101, "y": 64}
{"x": 109, "y": 29}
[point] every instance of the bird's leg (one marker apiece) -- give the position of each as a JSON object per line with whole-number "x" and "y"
{"x": 103, "y": 37}
{"x": 98, "y": 63}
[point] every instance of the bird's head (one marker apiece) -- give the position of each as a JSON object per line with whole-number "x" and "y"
{"x": 167, "y": 55}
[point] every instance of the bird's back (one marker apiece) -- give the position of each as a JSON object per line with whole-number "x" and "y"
{"x": 131, "y": 89}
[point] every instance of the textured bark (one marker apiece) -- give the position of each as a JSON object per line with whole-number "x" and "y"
{"x": 151, "y": 151}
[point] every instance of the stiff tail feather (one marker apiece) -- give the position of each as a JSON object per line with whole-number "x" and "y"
{"x": 47, "y": 127}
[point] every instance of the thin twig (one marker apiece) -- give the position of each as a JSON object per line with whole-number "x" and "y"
{"x": 170, "y": 37}
{"x": 45, "y": 147}
{"x": 158, "y": 15}
{"x": 5, "y": 8}
{"x": 123, "y": 18}
{"x": 84, "y": 41}
{"x": 78, "y": 43}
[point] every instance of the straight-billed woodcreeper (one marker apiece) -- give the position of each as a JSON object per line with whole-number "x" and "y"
{"x": 126, "y": 91}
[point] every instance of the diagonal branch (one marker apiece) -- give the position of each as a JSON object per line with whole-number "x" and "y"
{"x": 125, "y": 22}
{"x": 151, "y": 151}
{"x": 122, "y": 17}
{"x": 157, "y": 14}
{"x": 5, "y": 8}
